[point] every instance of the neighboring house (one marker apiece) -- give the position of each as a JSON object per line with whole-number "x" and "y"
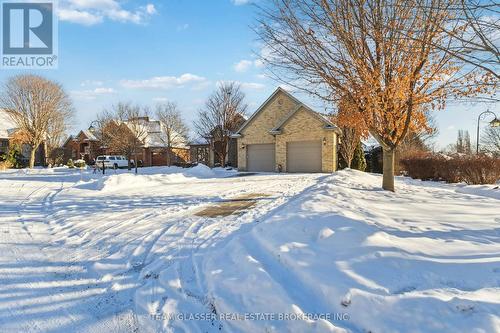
{"x": 286, "y": 135}
{"x": 7, "y": 130}
{"x": 84, "y": 146}
{"x": 155, "y": 150}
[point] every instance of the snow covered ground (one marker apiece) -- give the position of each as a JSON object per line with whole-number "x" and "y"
{"x": 124, "y": 253}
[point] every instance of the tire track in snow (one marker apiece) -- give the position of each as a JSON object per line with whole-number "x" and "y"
{"x": 186, "y": 268}
{"x": 44, "y": 211}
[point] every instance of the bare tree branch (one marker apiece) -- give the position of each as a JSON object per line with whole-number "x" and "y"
{"x": 222, "y": 115}
{"x": 40, "y": 108}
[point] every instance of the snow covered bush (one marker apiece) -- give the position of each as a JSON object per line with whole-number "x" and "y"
{"x": 80, "y": 164}
{"x": 471, "y": 169}
{"x": 70, "y": 164}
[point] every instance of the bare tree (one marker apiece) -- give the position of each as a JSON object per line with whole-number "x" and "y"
{"x": 382, "y": 56}
{"x": 490, "y": 141}
{"x": 474, "y": 28}
{"x": 174, "y": 130}
{"x": 463, "y": 145}
{"x": 124, "y": 129}
{"x": 222, "y": 115}
{"x": 39, "y": 107}
{"x": 348, "y": 142}
{"x": 137, "y": 121}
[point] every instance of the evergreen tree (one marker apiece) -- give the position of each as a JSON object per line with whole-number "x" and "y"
{"x": 15, "y": 157}
{"x": 359, "y": 161}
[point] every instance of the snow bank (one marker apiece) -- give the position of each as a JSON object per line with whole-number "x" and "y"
{"x": 153, "y": 177}
{"x": 425, "y": 259}
{"x": 492, "y": 191}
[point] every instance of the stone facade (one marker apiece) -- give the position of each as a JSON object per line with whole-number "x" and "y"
{"x": 303, "y": 125}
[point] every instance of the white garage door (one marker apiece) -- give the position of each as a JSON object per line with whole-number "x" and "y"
{"x": 303, "y": 156}
{"x": 260, "y": 157}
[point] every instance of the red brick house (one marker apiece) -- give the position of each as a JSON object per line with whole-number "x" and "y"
{"x": 83, "y": 146}
{"x": 154, "y": 151}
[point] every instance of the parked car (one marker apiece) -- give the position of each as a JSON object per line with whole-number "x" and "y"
{"x": 113, "y": 161}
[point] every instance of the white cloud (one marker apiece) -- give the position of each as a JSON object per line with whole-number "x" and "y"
{"x": 90, "y": 12}
{"x": 182, "y": 27}
{"x": 241, "y": 2}
{"x": 258, "y": 63}
{"x": 90, "y": 94}
{"x": 165, "y": 82}
{"x": 80, "y": 17}
{"x": 244, "y": 85}
{"x": 151, "y": 9}
{"x": 94, "y": 4}
{"x": 87, "y": 83}
{"x": 243, "y": 66}
{"x": 252, "y": 85}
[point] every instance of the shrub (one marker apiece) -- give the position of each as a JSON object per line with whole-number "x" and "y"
{"x": 4, "y": 165}
{"x": 70, "y": 164}
{"x": 13, "y": 159}
{"x": 80, "y": 164}
{"x": 359, "y": 162}
{"x": 471, "y": 169}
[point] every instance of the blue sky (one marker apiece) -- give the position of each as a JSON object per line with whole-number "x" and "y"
{"x": 151, "y": 51}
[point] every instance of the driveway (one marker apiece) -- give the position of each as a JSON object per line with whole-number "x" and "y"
{"x": 83, "y": 253}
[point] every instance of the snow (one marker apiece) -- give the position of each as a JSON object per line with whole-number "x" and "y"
{"x": 7, "y": 125}
{"x": 84, "y": 252}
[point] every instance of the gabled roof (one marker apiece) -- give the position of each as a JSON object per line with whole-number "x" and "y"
{"x": 267, "y": 101}
{"x": 155, "y": 134}
{"x": 7, "y": 125}
{"x": 68, "y": 139}
{"x": 277, "y": 129}
{"x": 328, "y": 124}
{"x": 88, "y": 134}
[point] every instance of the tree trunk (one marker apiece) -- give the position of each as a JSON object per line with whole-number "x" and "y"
{"x": 33, "y": 156}
{"x": 169, "y": 151}
{"x": 388, "y": 167}
{"x": 135, "y": 157}
{"x": 349, "y": 162}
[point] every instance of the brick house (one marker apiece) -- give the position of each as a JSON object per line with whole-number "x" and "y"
{"x": 83, "y": 146}
{"x": 7, "y": 130}
{"x": 153, "y": 152}
{"x": 286, "y": 135}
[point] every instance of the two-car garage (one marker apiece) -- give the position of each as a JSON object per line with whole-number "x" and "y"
{"x": 301, "y": 156}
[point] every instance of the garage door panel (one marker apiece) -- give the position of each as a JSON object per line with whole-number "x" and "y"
{"x": 261, "y": 157}
{"x": 304, "y": 156}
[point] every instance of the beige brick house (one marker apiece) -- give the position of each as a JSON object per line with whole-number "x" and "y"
{"x": 286, "y": 135}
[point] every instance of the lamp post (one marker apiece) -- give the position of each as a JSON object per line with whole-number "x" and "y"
{"x": 494, "y": 123}
{"x": 92, "y": 129}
